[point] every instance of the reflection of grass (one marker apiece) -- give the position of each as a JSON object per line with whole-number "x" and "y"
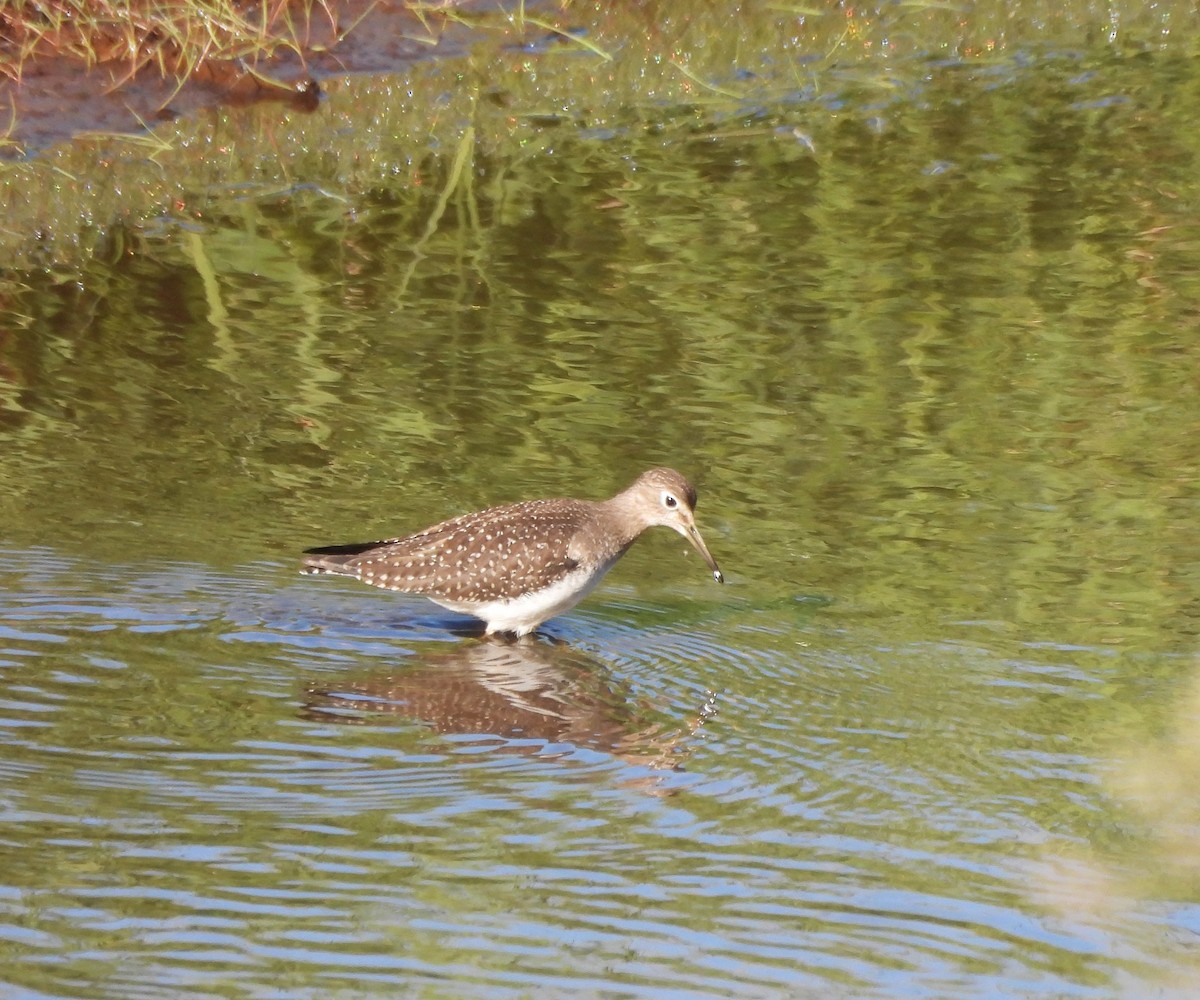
{"x": 177, "y": 38}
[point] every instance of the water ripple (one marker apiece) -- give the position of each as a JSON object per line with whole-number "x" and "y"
{"x": 233, "y": 774}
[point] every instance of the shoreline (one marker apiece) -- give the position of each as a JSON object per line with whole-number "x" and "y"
{"x": 58, "y": 98}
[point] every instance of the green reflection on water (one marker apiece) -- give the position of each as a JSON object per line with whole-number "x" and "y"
{"x": 952, "y": 341}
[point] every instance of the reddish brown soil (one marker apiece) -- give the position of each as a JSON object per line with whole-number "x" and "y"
{"x": 57, "y": 98}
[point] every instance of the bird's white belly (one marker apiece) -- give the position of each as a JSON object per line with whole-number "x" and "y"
{"x": 523, "y": 614}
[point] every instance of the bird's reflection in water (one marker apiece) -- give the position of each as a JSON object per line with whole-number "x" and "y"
{"x": 528, "y": 696}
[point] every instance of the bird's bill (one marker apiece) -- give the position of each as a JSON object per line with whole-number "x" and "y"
{"x": 693, "y": 535}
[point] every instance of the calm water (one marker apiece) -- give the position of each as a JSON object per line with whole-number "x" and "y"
{"x": 929, "y": 351}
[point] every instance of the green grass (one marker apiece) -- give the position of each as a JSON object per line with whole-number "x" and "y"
{"x": 177, "y": 39}
{"x": 716, "y": 72}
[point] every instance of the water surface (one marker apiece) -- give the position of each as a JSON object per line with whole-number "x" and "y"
{"x": 928, "y": 351}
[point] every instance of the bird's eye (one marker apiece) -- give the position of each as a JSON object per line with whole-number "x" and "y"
{"x": 670, "y": 501}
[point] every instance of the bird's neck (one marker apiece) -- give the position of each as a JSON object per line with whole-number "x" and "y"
{"x": 626, "y": 518}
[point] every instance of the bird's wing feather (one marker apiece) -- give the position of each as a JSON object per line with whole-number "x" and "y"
{"x": 497, "y": 553}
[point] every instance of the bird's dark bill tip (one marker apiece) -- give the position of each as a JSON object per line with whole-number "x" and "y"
{"x": 718, "y": 576}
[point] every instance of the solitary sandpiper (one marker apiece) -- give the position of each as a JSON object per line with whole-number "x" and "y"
{"x": 518, "y": 565}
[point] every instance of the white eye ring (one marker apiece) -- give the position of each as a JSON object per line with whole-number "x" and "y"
{"x": 669, "y": 500}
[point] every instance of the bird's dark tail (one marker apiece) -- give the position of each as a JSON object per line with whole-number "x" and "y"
{"x": 338, "y": 559}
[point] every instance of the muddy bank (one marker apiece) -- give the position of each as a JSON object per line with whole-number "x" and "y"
{"x": 58, "y": 98}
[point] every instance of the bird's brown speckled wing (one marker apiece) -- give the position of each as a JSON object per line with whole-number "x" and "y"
{"x": 495, "y": 554}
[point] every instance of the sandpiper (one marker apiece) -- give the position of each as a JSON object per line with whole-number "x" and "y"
{"x": 518, "y": 565}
